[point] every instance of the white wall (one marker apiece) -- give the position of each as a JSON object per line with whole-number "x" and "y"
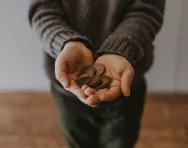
{"x": 21, "y": 55}
{"x": 182, "y": 60}
{"x": 163, "y": 74}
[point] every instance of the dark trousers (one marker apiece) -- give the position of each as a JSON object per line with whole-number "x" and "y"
{"x": 112, "y": 124}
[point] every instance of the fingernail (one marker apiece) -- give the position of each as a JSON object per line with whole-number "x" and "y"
{"x": 128, "y": 93}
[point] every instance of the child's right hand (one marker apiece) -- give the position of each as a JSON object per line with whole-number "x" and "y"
{"x": 72, "y": 59}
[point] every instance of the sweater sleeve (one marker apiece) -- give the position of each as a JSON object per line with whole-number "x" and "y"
{"x": 46, "y": 17}
{"x": 137, "y": 30}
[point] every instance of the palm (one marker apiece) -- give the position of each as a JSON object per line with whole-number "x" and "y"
{"x": 114, "y": 89}
{"x": 122, "y": 73}
{"x": 70, "y": 61}
{"x": 73, "y": 73}
{"x": 90, "y": 96}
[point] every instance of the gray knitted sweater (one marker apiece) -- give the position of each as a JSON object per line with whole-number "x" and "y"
{"x": 123, "y": 27}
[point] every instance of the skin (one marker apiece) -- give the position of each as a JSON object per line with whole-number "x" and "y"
{"x": 76, "y": 56}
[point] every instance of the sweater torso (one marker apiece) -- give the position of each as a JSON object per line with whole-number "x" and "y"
{"x": 95, "y": 19}
{"x": 106, "y": 24}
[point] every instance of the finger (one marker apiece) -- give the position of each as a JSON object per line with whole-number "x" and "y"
{"x": 76, "y": 90}
{"x": 84, "y": 87}
{"x": 89, "y": 91}
{"x": 92, "y": 100}
{"x": 111, "y": 94}
{"x": 126, "y": 81}
{"x": 60, "y": 73}
{"x": 101, "y": 91}
{"x": 95, "y": 97}
{"x": 64, "y": 79}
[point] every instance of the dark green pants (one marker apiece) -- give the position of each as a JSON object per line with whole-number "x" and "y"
{"x": 113, "y": 124}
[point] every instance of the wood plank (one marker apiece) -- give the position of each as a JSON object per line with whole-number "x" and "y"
{"x": 160, "y": 114}
{"x": 173, "y": 134}
{"x": 29, "y": 120}
{"x": 16, "y": 141}
{"x": 161, "y": 144}
{"x": 170, "y": 98}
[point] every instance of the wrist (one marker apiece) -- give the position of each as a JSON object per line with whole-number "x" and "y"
{"x": 116, "y": 58}
{"x": 123, "y": 46}
{"x": 79, "y": 47}
{"x": 112, "y": 55}
{"x": 75, "y": 45}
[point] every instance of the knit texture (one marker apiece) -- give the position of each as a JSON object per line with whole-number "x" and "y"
{"x": 126, "y": 28}
{"x": 48, "y": 20}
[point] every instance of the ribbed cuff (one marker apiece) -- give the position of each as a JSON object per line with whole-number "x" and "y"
{"x": 61, "y": 39}
{"x": 124, "y": 46}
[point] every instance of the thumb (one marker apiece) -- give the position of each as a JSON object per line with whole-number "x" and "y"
{"x": 126, "y": 81}
{"x": 61, "y": 72}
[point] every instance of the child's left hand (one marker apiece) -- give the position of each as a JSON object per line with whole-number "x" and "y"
{"x": 122, "y": 73}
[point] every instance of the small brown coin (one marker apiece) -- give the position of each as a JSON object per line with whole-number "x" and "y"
{"x": 83, "y": 81}
{"x": 109, "y": 81}
{"x": 97, "y": 84}
{"x": 95, "y": 81}
{"x": 100, "y": 68}
{"x": 90, "y": 70}
{"x": 82, "y": 76}
{"x": 106, "y": 81}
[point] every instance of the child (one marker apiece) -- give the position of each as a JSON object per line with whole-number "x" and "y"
{"x": 115, "y": 33}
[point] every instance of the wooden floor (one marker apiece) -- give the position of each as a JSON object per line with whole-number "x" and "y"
{"x": 30, "y": 121}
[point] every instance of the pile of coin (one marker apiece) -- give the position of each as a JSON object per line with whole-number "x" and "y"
{"x": 93, "y": 76}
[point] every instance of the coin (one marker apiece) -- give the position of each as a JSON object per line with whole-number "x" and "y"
{"x": 83, "y": 81}
{"x": 100, "y": 68}
{"x": 95, "y": 81}
{"x": 106, "y": 81}
{"x": 109, "y": 80}
{"x": 82, "y": 76}
{"x": 90, "y": 70}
